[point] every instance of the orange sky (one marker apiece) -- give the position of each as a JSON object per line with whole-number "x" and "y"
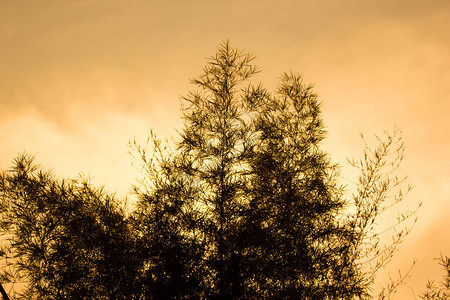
{"x": 78, "y": 79}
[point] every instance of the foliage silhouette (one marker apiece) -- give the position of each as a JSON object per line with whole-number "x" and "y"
{"x": 66, "y": 239}
{"x": 441, "y": 291}
{"x": 249, "y": 188}
{"x": 246, "y": 205}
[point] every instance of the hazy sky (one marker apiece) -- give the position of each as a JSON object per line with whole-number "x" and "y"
{"x": 78, "y": 79}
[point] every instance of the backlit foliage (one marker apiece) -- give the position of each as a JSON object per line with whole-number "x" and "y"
{"x": 244, "y": 205}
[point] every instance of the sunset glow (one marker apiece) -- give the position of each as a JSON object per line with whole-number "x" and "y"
{"x": 79, "y": 79}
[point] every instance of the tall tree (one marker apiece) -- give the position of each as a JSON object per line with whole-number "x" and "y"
{"x": 258, "y": 197}
{"x": 210, "y": 164}
{"x": 215, "y": 142}
{"x": 295, "y": 197}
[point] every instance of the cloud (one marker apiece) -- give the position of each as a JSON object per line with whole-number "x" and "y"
{"x": 98, "y": 149}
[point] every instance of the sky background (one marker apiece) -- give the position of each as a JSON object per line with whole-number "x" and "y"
{"x": 78, "y": 79}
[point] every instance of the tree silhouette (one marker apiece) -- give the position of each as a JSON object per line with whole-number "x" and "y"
{"x": 66, "y": 239}
{"x": 248, "y": 187}
{"x": 245, "y": 205}
{"x": 259, "y": 196}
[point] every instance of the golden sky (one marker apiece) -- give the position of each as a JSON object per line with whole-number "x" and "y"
{"x": 78, "y": 79}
